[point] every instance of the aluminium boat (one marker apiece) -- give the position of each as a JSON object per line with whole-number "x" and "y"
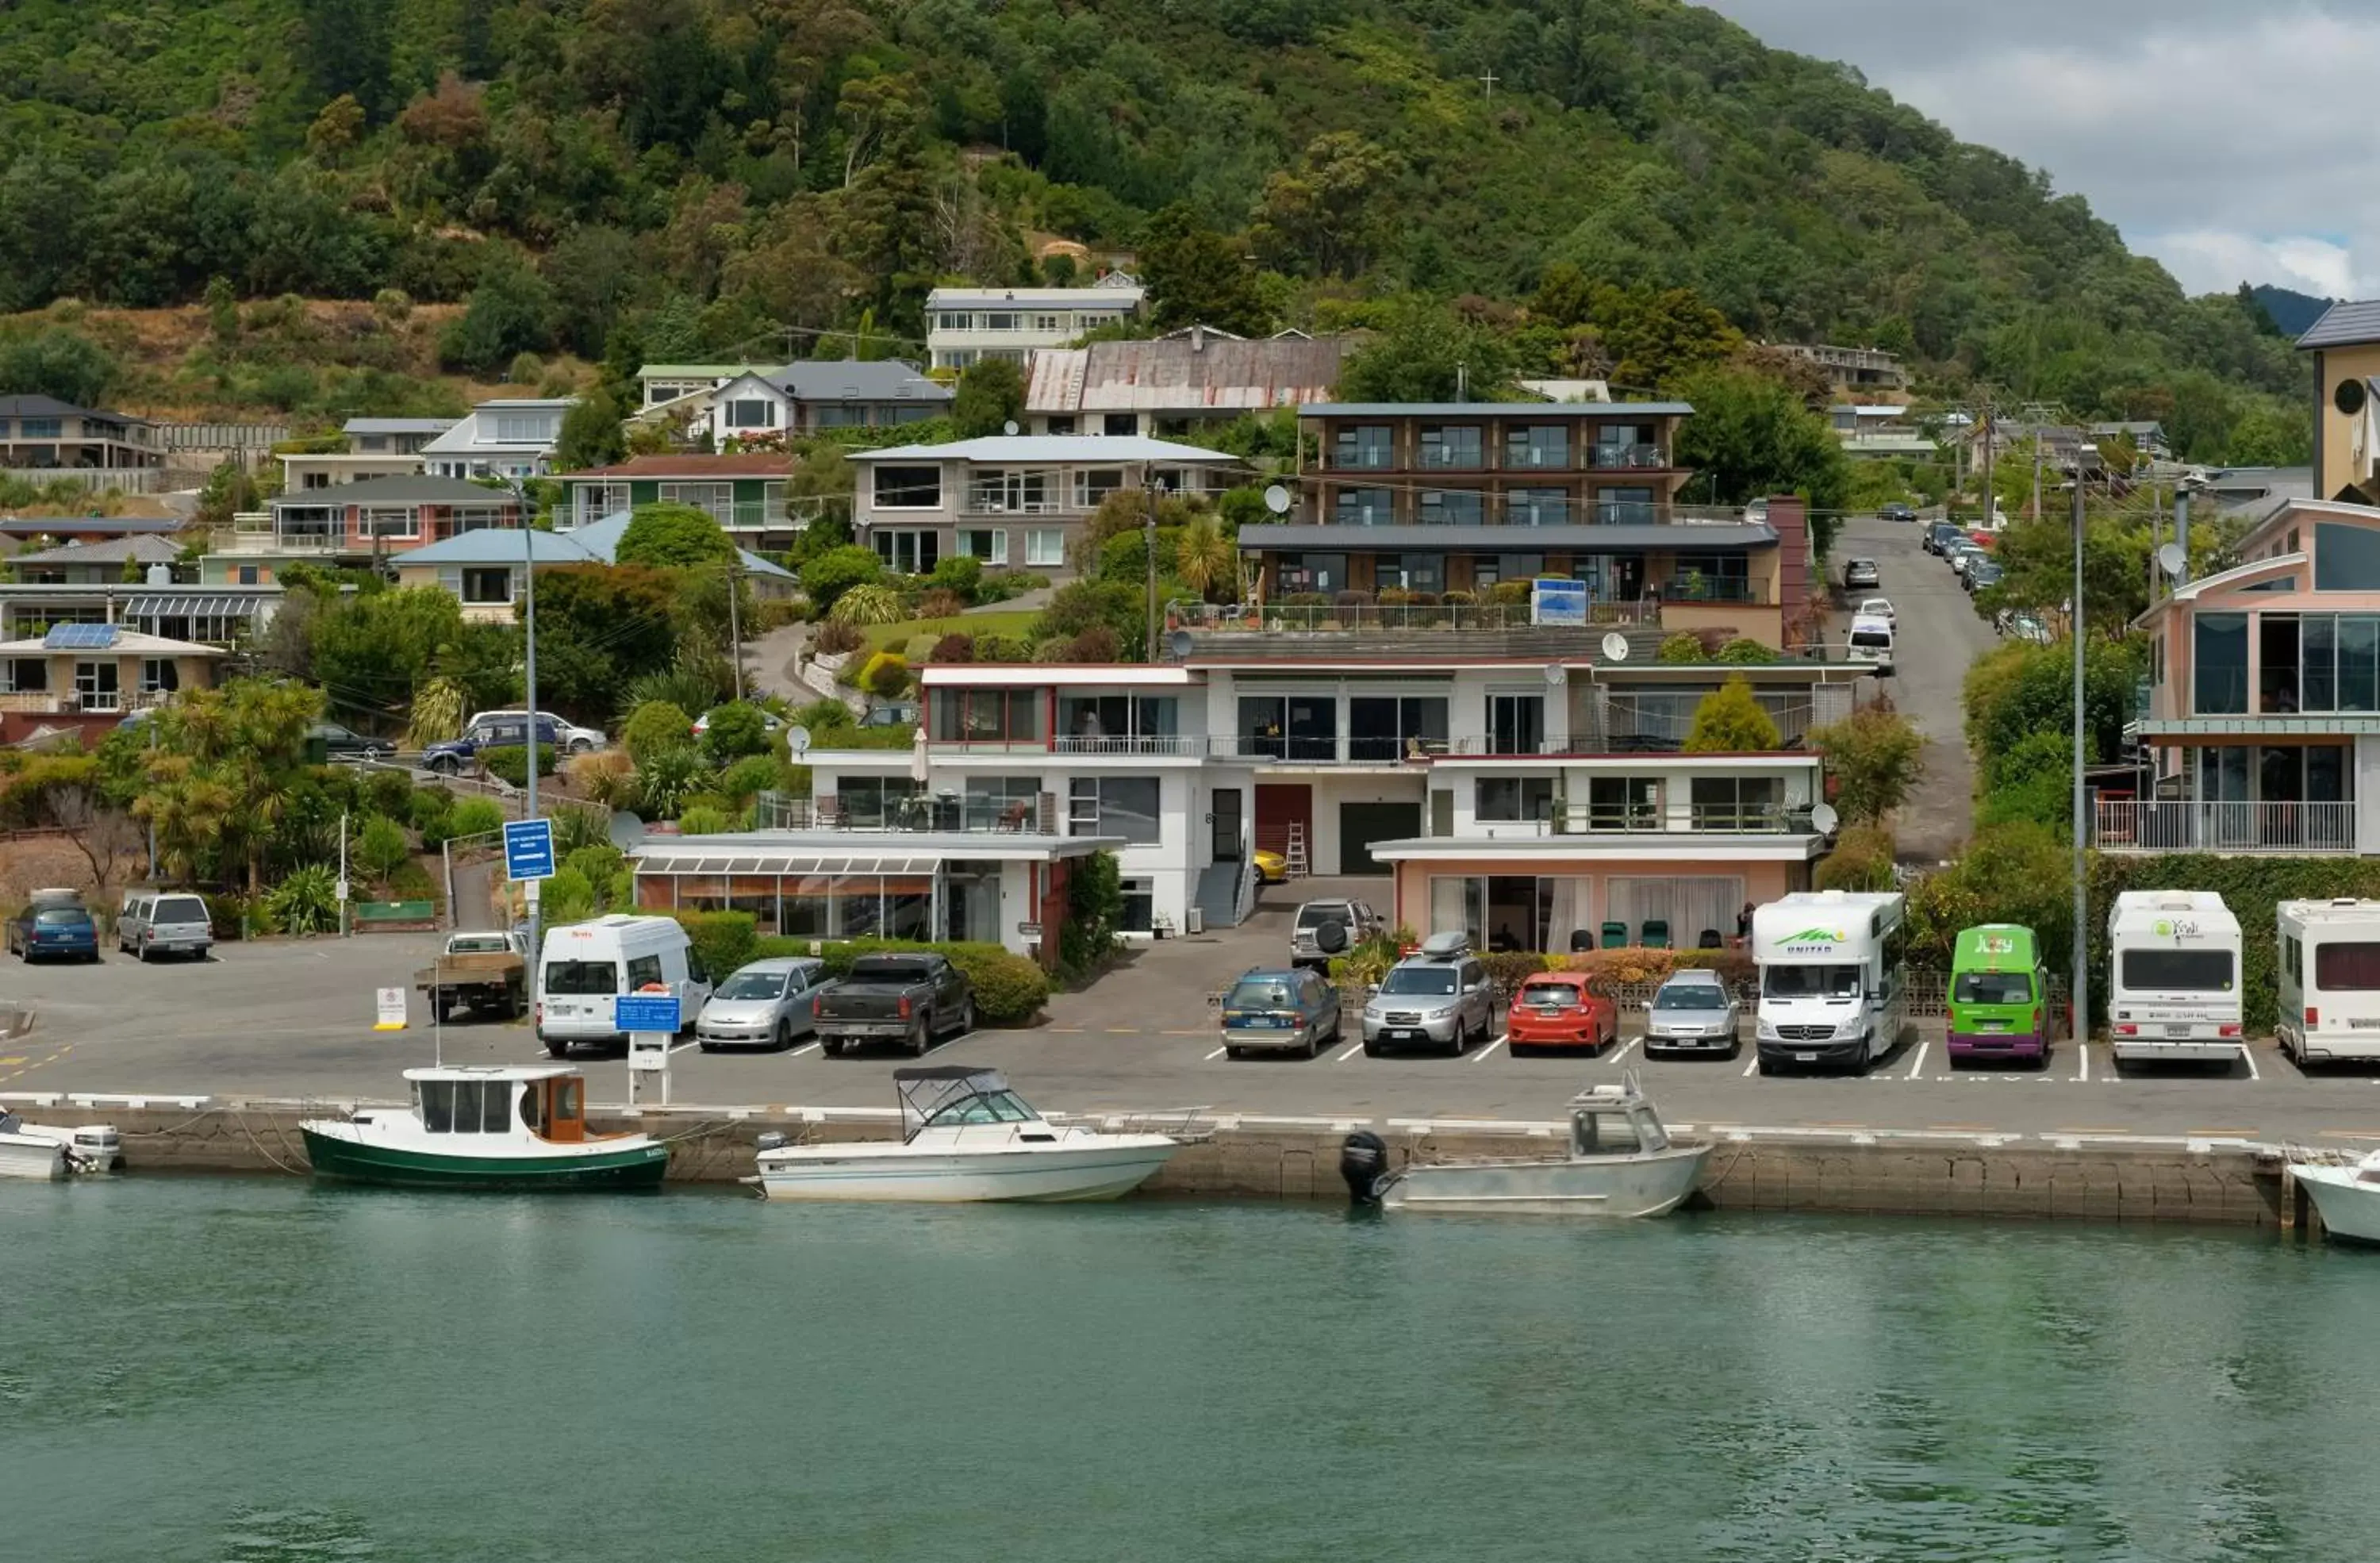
{"x": 965, "y": 1137}
{"x": 513, "y": 1128}
{"x": 38, "y": 1151}
{"x": 1621, "y": 1162}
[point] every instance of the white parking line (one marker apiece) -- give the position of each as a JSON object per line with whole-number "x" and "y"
{"x": 2249, "y": 1053}
{"x": 1216, "y": 1054}
{"x": 805, "y": 1048}
{"x": 1349, "y": 1051}
{"x": 1752, "y": 1063}
{"x": 2083, "y": 1050}
{"x": 1491, "y": 1048}
{"x": 681, "y": 1046}
{"x": 1624, "y": 1049}
{"x": 1917, "y": 1064}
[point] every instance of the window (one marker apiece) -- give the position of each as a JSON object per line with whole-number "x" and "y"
{"x": 2339, "y": 663}
{"x": 714, "y": 499}
{"x": 2345, "y": 558}
{"x": 999, "y": 490}
{"x": 1297, "y": 727}
{"x": 523, "y": 428}
{"x": 95, "y": 686}
{"x": 910, "y": 551}
{"x": 751, "y": 412}
{"x": 1625, "y": 508}
{"x": 391, "y": 523}
{"x": 990, "y": 798}
{"x": 873, "y": 800}
{"x": 1517, "y": 725}
{"x": 1382, "y": 727}
{"x": 1453, "y": 507}
{"x": 1738, "y": 803}
{"x": 1537, "y": 508}
{"x": 314, "y": 481}
{"x": 1045, "y": 548}
{"x": 1454, "y": 445}
{"x": 1120, "y": 425}
{"x": 250, "y": 575}
{"x": 1624, "y": 803}
{"x": 1539, "y": 444}
{"x": 1110, "y": 717}
{"x": 27, "y": 675}
{"x": 986, "y": 716}
{"x": 160, "y": 675}
{"x": 1309, "y": 571}
{"x": 1048, "y": 322}
{"x": 908, "y": 488}
{"x": 2180, "y": 971}
{"x": 991, "y": 545}
{"x": 2221, "y": 686}
{"x": 1412, "y": 572}
{"x": 2347, "y": 968}
{"x": 1140, "y": 915}
{"x": 1515, "y": 797}
{"x": 1114, "y": 806}
{"x": 44, "y": 429}
{"x": 1363, "y": 507}
{"x": 1000, "y": 322}
{"x": 1365, "y": 446}
{"x": 1491, "y": 569}
{"x": 1093, "y": 484}
{"x": 1058, "y": 426}
{"x": 643, "y": 970}
{"x": 487, "y": 585}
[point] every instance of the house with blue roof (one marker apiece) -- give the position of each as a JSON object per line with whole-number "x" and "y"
{"x": 485, "y": 569}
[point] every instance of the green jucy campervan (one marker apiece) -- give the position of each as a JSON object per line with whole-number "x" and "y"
{"x": 1999, "y": 996}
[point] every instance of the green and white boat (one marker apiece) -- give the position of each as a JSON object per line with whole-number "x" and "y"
{"x": 517, "y": 1129}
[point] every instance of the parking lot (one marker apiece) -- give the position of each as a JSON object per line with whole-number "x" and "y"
{"x": 294, "y": 1019}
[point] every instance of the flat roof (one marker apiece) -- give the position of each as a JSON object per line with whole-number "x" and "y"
{"x": 1496, "y": 410}
{"x": 855, "y": 851}
{"x": 1087, "y": 449}
{"x": 1671, "y": 536}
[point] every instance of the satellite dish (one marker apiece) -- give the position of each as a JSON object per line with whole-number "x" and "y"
{"x": 1822, "y": 819}
{"x": 1276, "y": 499}
{"x": 1009, "y": 428}
{"x": 1556, "y": 674}
{"x": 1177, "y": 643}
{"x": 1615, "y": 646}
{"x": 2172, "y": 560}
{"x": 797, "y": 739}
{"x": 627, "y": 831}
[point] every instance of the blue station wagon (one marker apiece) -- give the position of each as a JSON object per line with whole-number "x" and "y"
{"x": 1279, "y": 1011}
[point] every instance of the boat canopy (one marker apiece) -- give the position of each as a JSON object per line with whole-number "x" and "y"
{"x": 1615, "y": 1120}
{"x": 491, "y": 1072}
{"x": 945, "y": 1095}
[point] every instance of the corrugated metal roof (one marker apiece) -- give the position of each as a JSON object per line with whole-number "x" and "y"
{"x": 413, "y": 489}
{"x": 1051, "y": 448}
{"x": 1498, "y": 409}
{"x": 741, "y": 465}
{"x": 831, "y": 379}
{"x": 2344, "y": 324}
{"x": 1694, "y": 537}
{"x": 398, "y": 425}
{"x": 147, "y": 549}
{"x": 1188, "y": 375}
{"x": 1108, "y": 297}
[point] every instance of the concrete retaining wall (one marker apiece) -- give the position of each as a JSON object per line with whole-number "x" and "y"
{"x": 2221, "y": 1182}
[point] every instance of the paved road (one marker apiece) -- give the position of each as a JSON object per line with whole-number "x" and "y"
{"x": 294, "y": 1019}
{"x": 1938, "y": 636}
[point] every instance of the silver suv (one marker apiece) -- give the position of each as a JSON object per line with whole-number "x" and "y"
{"x": 1439, "y": 998}
{"x": 1691, "y": 1013}
{"x": 1360, "y": 921}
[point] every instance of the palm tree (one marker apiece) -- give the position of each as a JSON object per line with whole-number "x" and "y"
{"x": 1205, "y": 557}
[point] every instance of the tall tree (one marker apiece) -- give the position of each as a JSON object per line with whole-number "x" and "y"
{"x": 1197, "y": 276}
{"x": 1750, "y": 436}
{"x": 992, "y": 395}
{"x": 672, "y": 537}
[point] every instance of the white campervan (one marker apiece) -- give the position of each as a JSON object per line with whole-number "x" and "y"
{"x": 1832, "y": 987}
{"x": 2174, "y": 986}
{"x": 2328, "y": 975}
{"x": 1872, "y": 642}
{"x": 586, "y": 965}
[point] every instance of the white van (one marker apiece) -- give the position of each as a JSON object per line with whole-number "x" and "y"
{"x": 586, "y": 965}
{"x": 2173, "y": 992}
{"x": 1872, "y": 643}
{"x": 1832, "y": 986}
{"x": 2329, "y": 980}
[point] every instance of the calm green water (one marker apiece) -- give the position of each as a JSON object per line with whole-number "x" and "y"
{"x": 263, "y": 1371}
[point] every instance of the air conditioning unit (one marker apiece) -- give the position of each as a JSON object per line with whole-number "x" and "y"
{"x": 1193, "y": 921}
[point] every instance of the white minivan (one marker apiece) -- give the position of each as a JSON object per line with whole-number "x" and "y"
{"x": 586, "y": 965}
{"x": 2173, "y": 990}
{"x": 1833, "y": 986}
{"x": 2329, "y": 980}
{"x": 1872, "y": 643}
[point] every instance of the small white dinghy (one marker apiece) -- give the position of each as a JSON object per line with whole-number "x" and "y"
{"x": 965, "y": 1137}
{"x": 1621, "y": 1162}
{"x": 33, "y": 1150}
{"x": 2348, "y": 1196}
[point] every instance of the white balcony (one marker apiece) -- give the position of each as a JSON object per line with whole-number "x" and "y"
{"x": 2283, "y": 830}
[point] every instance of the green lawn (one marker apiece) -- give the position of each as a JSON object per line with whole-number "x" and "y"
{"x": 895, "y": 636}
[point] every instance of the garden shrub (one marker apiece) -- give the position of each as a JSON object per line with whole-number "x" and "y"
{"x": 705, "y": 819}
{"x": 750, "y": 776}
{"x": 472, "y": 816}
{"x": 835, "y": 639}
{"x": 1684, "y": 646}
{"x": 1009, "y": 988}
{"x": 654, "y": 727}
{"x": 429, "y": 808}
{"x": 724, "y": 939}
{"x": 380, "y": 847}
{"x": 510, "y": 762}
{"x": 736, "y": 729}
{"x": 389, "y": 793}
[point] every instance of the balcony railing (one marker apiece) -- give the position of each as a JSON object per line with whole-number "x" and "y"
{"x": 1631, "y": 456}
{"x": 2156, "y": 825}
{"x": 923, "y": 811}
{"x": 1653, "y": 819}
{"x": 1390, "y": 617}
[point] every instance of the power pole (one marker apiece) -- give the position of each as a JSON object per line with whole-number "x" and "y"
{"x": 2036, "y": 478}
{"x": 2082, "y": 980}
{"x": 1991, "y": 434}
{"x": 529, "y": 678}
{"x": 1153, "y": 486}
{"x": 735, "y": 623}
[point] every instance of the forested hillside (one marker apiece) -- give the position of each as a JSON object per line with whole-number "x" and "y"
{"x": 703, "y": 171}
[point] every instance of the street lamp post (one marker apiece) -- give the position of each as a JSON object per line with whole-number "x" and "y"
{"x": 529, "y": 679}
{"x": 2082, "y": 980}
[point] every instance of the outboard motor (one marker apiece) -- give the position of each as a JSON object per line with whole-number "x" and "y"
{"x": 1363, "y": 1162}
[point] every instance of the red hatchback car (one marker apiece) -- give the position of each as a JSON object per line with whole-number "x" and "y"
{"x": 1557, "y": 1010}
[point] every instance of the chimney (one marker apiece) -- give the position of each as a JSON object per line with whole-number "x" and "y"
{"x": 1197, "y": 339}
{"x": 1792, "y": 524}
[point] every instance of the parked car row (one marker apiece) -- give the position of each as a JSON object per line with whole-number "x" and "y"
{"x": 55, "y": 926}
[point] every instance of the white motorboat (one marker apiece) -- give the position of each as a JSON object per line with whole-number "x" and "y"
{"x": 1620, "y": 1162}
{"x": 33, "y": 1150}
{"x": 965, "y": 1137}
{"x": 2347, "y": 1196}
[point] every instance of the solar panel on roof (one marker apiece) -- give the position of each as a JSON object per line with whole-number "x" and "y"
{"x": 79, "y": 637}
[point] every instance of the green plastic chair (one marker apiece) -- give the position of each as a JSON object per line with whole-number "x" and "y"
{"x": 1657, "y": 933}
{"x": 1615, "y": 936}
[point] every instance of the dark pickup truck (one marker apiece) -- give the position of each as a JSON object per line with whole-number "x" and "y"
{"x": 913, "y": 999}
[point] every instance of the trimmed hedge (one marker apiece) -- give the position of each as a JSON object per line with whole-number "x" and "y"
{"x": 724, "y": 939}
{"x": 1009, "y": 989}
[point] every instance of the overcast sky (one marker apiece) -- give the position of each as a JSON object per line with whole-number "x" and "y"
{"x": 2225, "y": 138}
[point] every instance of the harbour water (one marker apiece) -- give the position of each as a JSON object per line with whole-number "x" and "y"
{"x": 267, "y": 1371}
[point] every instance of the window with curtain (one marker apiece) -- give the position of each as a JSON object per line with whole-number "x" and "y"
{"x": 1691, "y": 904}
{"x": 1458, "y": 902}
{"x": 2347, "y": 967}
{"x": 1564, "y": 904}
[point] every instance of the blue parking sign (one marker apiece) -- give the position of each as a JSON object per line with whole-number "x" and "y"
{"x": 528, "y": 849}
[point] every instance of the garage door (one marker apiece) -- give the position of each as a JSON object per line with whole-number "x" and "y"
{"x": 1361, "y": 824}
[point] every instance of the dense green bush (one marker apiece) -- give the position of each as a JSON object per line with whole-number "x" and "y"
{"x": 380, "y": 847}
{"x": 305, "y": 903}
{"x": 724, "y": 939}
{"x": 656, "y": 727}
{"x": 472, "y": 816}
{"x": 510, "y": 762}
{"x": 1009, "y": 989}
{"x": 389, "y": 793}
{"x": 427, "y": 812}
{"x": 1861, "y": 861}
{"x": 734, "y": 730}
{"x": 1684, "y": 647}
{"x": 704, "y": 820}
{"x": 1094, "y": 913}
{"x": 751, "y": 775}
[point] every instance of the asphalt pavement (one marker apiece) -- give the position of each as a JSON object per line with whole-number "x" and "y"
{"x": 284, "y": 1019}
{"x": 1937, "y": 636}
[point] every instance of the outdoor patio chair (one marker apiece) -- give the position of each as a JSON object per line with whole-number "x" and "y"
{"x": 1581, "y": 938}
{"x": 1615, "y": 936}
{"x": 1657, "y": 933}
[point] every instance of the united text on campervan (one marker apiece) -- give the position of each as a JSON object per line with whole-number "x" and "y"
{"x": 586, "y": 965}
{"x": 2173, "y": 992}
{"x": 1872, "y": 642}
{"x": 1832, "y": 987}
{"x": 1999, "y": 996}
{"x": 2328, "y": 973}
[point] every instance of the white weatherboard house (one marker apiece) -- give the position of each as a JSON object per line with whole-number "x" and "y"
{"x": 509, "y": 438}
{"x": 1012, "y": 501}
{"x": 484, "y": 569}
{"x": 964, "y": 324}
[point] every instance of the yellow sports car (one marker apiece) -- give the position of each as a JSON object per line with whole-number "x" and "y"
{"x": 1272, "y": 868}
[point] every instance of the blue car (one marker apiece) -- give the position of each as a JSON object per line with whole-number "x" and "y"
{"x": 458, "y": 754}
{"x": 1290, "y": 1010}
{"x": 52, "y": 932}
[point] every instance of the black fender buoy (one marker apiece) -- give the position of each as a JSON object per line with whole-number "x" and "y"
{"x": 1363, "y": 1161}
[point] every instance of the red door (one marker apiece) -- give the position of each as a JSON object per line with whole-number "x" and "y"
{"x": 1278, "y": 802}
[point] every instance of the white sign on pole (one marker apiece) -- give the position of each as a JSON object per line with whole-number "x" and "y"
{"x": 648, "y": 1054}
{"x": 390, "y": 1009}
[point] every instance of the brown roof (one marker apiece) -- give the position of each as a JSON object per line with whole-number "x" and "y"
{"x": 760, "y": 464}
{"x": 1176, "y": 374}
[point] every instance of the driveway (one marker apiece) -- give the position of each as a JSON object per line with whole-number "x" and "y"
{"x": 1938, "y": 637}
